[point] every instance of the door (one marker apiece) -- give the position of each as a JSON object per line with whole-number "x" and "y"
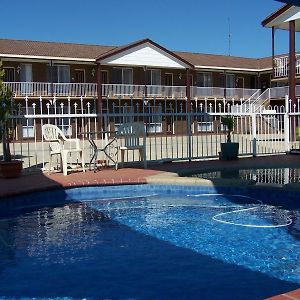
{"x": 240, "y": 87}
{"x": 9, "y": 75}
{"x": 79, "y": 76}
{"x": 169, "y": 84}
{"x": 105, "y": 87}
{"x": 26, "y": 79}
{"x": 104, "y": 77}
{"x": 240, "y": 82}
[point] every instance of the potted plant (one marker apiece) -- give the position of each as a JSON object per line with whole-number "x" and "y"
{"x": 8, "y": 168}
{"x": 229, "y": 150}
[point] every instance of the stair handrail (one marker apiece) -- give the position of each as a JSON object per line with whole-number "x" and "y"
{"x": 247, "y": 103}
{"x": 259, "y": 101}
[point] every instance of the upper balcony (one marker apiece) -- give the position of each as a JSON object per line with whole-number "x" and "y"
{"x": 281, "y": 66}
{"x": 45, "y": 89}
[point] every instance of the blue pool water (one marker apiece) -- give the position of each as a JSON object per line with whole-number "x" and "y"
{"x": 150, "y": 242}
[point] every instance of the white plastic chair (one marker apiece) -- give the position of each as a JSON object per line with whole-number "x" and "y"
{"x": 57, "y": 146}
{"x": 131, "y": 132}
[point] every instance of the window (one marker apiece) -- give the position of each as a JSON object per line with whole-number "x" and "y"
{"x": 153, "y": 122}
{"x": 28, "y": 128}
{"x": 204, "y": 126}
{"x": 153, "y": 77}
{"x": 122, "y": 76}
{"x": 204, "y": 122}
{"x": 125, "y": 115}
{"x": 63, "y": 122}
{"x": 61, "y": 74}
{"x": 204, "y": 79}
{"x": 230, "y": 80}
{"x": 26, "y": 73}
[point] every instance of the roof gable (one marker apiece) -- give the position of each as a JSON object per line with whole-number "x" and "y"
{"x": 281, "y": 18}
{"x": 144, "y": 53}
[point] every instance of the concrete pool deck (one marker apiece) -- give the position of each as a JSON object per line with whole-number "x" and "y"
{"x": 164, "y": 173}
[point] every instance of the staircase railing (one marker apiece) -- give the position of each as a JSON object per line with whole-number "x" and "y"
{"x": 254, "y": 104}
{"x": 244, "y": 107}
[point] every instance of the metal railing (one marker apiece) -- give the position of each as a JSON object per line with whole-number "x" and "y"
{"x": 281, "y": 66}
{"x": 174, "y": 130}
{"x": 217, "y": 92}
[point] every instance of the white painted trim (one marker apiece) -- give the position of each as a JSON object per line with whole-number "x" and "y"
{"x": 233, "y": 69}
{"x": 48, "y": 57}
{"x": 32, "y": 58}
{"x": 293, "y": 13}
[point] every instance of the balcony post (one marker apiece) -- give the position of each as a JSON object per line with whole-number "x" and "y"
{"x": 292, "y": 63}
{"x": 188, "y": 89}
{"x": 273, "y": 50}
{"x": 51, "y": 78}
{"x": 145, "y": 81}
{"x": 99, "y": 97}
{"x": 225, "y": 84}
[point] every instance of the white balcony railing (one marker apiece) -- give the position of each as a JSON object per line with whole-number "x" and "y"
{"x": 36, "y": 89}
{"x": 216, "y": 92}
{"x": 281, "y": 66}
{"x": 75, "y": 89}
{"x": 139, "y": 91}
{"x": 30, "y": 88}
{"x": 202, "y": 92}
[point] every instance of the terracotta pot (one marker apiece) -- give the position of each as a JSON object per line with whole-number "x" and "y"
{"x": 11, "y": 169}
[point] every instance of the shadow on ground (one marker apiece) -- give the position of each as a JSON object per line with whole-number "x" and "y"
{"x": 97, "y": 258}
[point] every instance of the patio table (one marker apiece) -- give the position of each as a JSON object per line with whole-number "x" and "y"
{"x": 109, "y": 147}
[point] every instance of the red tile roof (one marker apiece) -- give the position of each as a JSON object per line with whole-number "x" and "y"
{"x": 92, "y": 52}
{"x": 210, "y": 60}
{"x": 52, "y": 49}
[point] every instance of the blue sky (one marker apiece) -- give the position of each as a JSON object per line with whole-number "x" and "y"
{"x": 190, "y": 25}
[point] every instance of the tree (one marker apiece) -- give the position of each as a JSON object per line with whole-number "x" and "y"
{"x": 228, "y": 121}
{"x": 5, "y": 111}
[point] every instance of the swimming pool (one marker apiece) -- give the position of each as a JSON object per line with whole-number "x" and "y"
{"x": 150, "y": 242}
{"x": 278, "y": 176}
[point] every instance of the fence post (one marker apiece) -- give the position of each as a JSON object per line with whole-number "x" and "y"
{"x": 286, "y": 125}
{"x": 189, "y": 132}
{"x": 254, "y": 149}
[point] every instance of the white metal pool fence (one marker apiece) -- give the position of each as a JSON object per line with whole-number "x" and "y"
{"x": 174, "y": 130}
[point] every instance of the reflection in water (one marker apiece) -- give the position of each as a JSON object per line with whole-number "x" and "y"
{"x": 272, "y": 175}
{"x": 41, "y": 233}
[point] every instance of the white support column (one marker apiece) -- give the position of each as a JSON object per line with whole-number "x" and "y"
{"x": 254, "y": 149}
{"x": 286, "y": 125}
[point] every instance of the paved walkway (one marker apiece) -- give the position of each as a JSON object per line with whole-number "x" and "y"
{"x": 156, "y": 173}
